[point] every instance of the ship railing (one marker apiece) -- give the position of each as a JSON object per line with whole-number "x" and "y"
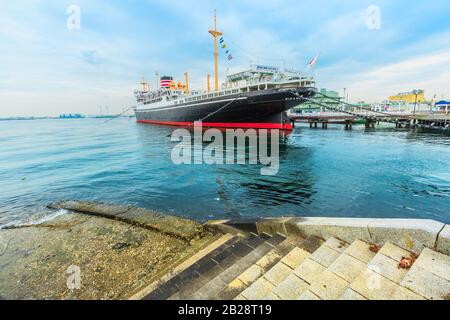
{"x": 257, "y": 86}
{"x": 210, "y": 95}
{"x": 245, "y": 88}
{"x": 264, "y": 84}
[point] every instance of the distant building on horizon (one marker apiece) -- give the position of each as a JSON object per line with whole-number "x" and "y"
{"x": 71, "y": 116}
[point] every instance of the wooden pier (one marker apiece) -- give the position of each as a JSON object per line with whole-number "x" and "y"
{"x": 349, "y": 114}
{"x": 435, "y": 123}
{"x": 370, "y": 120}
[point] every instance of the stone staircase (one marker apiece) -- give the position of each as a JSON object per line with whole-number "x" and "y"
{"x": 263, "y": 267}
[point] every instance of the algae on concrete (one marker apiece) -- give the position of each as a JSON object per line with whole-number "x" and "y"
{"x": 175, "y": 226}
{"x": 115, "y": 258}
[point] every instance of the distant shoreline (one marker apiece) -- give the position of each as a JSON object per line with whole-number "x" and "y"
{"x": 58, "y": 118}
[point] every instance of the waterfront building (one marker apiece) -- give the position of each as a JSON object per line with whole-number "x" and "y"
{"x": 406, "y": 102}
{"x": 402, "y": 107}
{"x": 443, "y": 106}
{"x": 363, "y": 105}
{"x": 334, "y": 100}
{"x": 410, "y": 97}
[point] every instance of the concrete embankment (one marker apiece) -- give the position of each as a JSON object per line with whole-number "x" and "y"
{"x": 100, "y": 251}
{"x": 169, "y": 225}
{"x": 411, "y": 234}
{"x": 115, "y": 251}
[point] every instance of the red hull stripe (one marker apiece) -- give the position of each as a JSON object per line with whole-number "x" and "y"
{"x": 253, "y": 125}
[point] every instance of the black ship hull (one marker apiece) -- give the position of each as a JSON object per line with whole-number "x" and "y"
{"x": 264, "y": 109}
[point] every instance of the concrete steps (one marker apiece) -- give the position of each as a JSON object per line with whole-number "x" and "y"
{"x": 255, "y": 271}
{"x": 359, "y": 271}
{"x": 214, "y": 265}
{"x": 382, "y": 275}
{"x": 276, "y": 275}
{"x": 263, "y": 267}
{"x": 217, "y": 284}
{"x": 220, "y": 264}
{"x": 194, "y": 272}
{"x": 429, "y": 277}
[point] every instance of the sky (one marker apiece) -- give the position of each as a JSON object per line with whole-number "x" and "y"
{"x": 48, "y": 68}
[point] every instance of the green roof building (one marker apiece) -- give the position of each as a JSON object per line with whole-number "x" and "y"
{"x": 309, "y": 107}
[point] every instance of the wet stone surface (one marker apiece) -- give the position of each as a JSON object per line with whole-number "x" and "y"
{"x": 113, "y": 259}
{"x": 178, "y": 227}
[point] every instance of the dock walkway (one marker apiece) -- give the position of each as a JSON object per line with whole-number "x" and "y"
{"x": 348, "y": 114}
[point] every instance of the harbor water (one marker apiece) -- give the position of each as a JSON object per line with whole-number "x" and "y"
{"x": 386, "y": 173}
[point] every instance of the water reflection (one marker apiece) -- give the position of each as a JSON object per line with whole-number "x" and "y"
{"x": 428, "y": 138}
{"x": 239, "y": 187}
{"x": 381, "y": 173}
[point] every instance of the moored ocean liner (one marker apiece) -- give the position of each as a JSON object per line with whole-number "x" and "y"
{"x": 255, "y": 98}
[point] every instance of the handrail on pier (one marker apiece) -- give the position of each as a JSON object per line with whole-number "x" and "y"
{"x": 382, "y": 116}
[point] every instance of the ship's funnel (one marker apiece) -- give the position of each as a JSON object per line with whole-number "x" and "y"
{"x": 166, "y": 82}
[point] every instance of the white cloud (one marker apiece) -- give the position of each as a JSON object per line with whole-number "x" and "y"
{"x": 429, "y": 72}
{"x": 48, "y": 69}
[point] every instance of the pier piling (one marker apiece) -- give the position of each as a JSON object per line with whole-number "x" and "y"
{"x": 348, "y": 124}
{"x": 370, "y": 123}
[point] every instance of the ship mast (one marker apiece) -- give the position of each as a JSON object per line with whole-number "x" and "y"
{"x": 216, "y": 34}
{"x": 208, "y": 84}
{"x": 145, "y": 87}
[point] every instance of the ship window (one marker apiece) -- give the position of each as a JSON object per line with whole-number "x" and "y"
{"x": 211, "y": 95}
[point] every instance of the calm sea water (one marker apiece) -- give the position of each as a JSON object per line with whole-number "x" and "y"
{"x": 381, "y": 173}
